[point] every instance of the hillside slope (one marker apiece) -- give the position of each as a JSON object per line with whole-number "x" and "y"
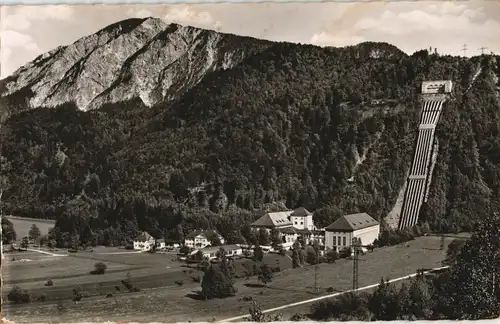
{"x": 134, "y": 58}
{"x": 292, "y": 125}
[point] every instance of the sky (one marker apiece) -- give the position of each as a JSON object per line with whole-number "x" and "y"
{"x": 27, "y": 31}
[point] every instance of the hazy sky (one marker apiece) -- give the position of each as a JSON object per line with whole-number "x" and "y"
{"x": 27, "y": 31}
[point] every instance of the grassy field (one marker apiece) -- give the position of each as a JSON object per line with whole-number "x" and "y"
{"x": 22, "y": 225}
{"x": 175, "y": 303}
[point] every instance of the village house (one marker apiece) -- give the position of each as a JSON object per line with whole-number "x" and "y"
{"x": 211, "y": 253}
{"x": 201, "y": 238}
{"x": 146, "y": 242}
{"x": 292, "y": 225}
{"x": 339, "y": 234}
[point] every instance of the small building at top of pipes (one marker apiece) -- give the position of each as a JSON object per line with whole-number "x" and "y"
{"x": 432, "y": 87}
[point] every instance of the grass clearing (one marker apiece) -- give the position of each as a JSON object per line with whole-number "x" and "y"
{"x": 173, "y": 304}
{"x": 22, "y": 225}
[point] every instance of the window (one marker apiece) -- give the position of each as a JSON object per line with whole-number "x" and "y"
{"x": 338, "y": 240}
{"x": 301, "y": 223}
{"x": 344, "y": 241}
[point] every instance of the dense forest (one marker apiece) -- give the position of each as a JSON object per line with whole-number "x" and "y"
{"x": 293, "y": 125}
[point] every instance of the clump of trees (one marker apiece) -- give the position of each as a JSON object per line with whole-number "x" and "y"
{"x": 18, "y": 295}
{"x": 8, "y": 233}
{"x": 99, "y": 268}
{"x": 218, "y": 280}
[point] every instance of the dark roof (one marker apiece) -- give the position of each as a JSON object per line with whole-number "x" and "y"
{"x": 143, "y": 237}
{"x": 352, "y": 222}
{"x": 301, "y": 211}
{"x": 304, "y": 231}
{"x": 277, "y": 219}
{"x": 288, "y": 230}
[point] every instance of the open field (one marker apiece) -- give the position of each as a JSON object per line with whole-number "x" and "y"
{"x": 175, "y": 303}
{"x": 22, "y": 225}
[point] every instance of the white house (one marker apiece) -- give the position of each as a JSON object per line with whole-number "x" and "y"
{"x": 146, "y": 241}
{"x": 201, "y": 238}
{"x": 302, "y": 219}
{"x": 210, "y": 253}
{"x": 339, "y": 234}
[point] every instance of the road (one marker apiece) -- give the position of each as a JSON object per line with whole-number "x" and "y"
{"x": 312, "y": 300}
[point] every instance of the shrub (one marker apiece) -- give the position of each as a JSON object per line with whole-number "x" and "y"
{"x": 99, "y": 268}
{"x": 179, "y": 282}
{"x": 18, "y": 295}
{"x": 247, "y": 298}
{"x": 49, "y": 283}
{"x": 299, "y": 317}
{"x": 129, "y": 247}
{"x": 330, "y": 289}
{"x": 135, "y": 289}
{"x": 42, "y": 298}
{"x": 109, "y": 295}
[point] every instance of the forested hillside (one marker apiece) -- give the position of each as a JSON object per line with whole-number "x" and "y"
{"x": 291, "y": 126}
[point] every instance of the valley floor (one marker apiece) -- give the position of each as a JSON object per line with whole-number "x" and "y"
{"x": 176, "y": 303}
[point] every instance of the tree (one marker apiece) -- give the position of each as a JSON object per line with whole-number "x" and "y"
{"x": 34, "y": 232}
{"x": 332, "y": 256}
{"x": 258, "y": 254}
{"x": 99, "y": 268}
{"x": 453, "y": 250}
{"x": 276, "y": 239}
{"x": 383, "y": 303}
{"x": 18, "y": 295}
{"x": 266, "y": 274}
{"x": 25, "y": 243}
{"x": 471, "y": 281}
{"x": 184, "y": 249}
{"x": 295, "y": 258}
{"x": 8, "y": 233}
{"x": 217, "y": 283}
{"x": 263, "y": 237}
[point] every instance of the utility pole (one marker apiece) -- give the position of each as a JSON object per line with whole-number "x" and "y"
{"x": 316, "y": 274}
{"x": 482, "y": 49}
{"x": 464, "y": 48}
{"x": 355, "y": 265}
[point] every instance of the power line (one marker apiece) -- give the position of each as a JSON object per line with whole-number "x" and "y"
{"x": 482, "y": 49}
{"x": 464, "y": 48}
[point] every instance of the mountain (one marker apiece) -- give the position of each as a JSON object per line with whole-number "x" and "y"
{"x": 329, "y": 129}
{"x": 134, "y": 58}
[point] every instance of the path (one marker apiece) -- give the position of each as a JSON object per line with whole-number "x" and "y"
{"x": 328, "y": 296}
{"x": 46, "y": 252}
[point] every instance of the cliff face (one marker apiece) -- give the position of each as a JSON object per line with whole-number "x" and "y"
{"x": 135, "y": 58}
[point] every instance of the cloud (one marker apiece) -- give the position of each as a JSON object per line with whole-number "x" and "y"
{"x": 20, "y": 18}
{"x": 186, "y": 16}
{"x": 12, "y": 42}
{"x": 339, "y": 40}
{"x": 142, "y": 13}
{"x": 414, "y": 26}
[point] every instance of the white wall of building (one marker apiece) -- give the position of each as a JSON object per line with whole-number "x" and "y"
{"x": 303, "y": 222}
{"x": 344, "y": 239}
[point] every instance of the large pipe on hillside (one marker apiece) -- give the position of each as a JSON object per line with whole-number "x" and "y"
{"x": 434, "y": 95}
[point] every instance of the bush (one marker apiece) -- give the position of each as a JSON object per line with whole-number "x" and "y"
{"x": 179, "y": 282}
{"x": 42, "y": 298}
{"x": 129, "y": 247}
{"x": 18, "y": 295}
{"x": 49, "y": 283}
{"x": 99, "y": 268}
{"x": 109, "y": 295}
{"x": 299, "y": 317}
{"x": 135, "y": 289}
{"x": 330, "y": 289}
{"x": 247, "y": 298}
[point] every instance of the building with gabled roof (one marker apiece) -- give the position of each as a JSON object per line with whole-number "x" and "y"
{"x": 339, "y": 234}
{"x": 145, "y": 242}
{"x": 201, "y": 238}
{"x": 273, "y": 220}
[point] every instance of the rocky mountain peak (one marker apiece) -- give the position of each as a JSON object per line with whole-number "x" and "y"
{"x": 134, "y": 58}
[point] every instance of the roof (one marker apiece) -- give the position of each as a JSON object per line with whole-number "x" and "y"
{"x": 229, "y": 247}
{"x": 143, "y": 237}
{"x": 304, "y": 231}
{"x": 194, "y": 234}
{"x": 288, "y": 230}
{"x": 301, "y": 211}
{"x": 352, "y": 222}
{"x": 277, "y": 219}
